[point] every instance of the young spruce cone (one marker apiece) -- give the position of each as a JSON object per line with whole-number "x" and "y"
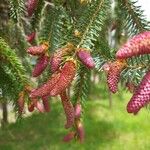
{"x": 40, "y": 66}
{"x": 80, "y": 131}
{"x": 45, "y": 89}
{"x": 56, "y": 58}
{"x": 114, "y": 74}
{"x": 46, "y": 103}
{"x": 38, "y": 50}
{"x": 31, "y": 37}
{"x": 85, "y": 57}
{"x": 138, "y": 45}
{"x": 21, "y": 102}
{"x": 67, "y": 74}
{"x": 31, "y": 6}
{"x": 78, "y": 110}
{"x": 141, "y": 97}
{"x": 70, "y": 136}
{"x": 68, "y": 108}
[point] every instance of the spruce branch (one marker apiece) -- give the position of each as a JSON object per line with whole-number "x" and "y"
{"x": 135, "y": 21}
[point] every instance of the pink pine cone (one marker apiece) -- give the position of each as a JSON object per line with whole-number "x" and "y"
{"x": 46, "y": 103}
{"x": 86, "y": 58}
{"x": 68, "y": 108}
{"x": 70, "y": 136}
{"x": 113, "y": 75}
{"x": 31, "y": 6}
{"x": 78, "y": 110}
{"x": 138, "y": 45}
{"x": 80, "y": 132}
{"x": 55, "y": 61}
{"x": 40, "y": 66}
{"x": 141, "y": 96}
{"x": 37, "y": 50}
{"x": 40, "y": 107}
{"x": 31, "y": 37}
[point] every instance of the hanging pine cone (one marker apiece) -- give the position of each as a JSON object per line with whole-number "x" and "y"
{"x": 106, "y": 67}
{"x": 66, "y": 76}
{"x": 85, "y": 57}
{"x": 21, "y": 102}
{"x": 141, "y": 96}
{"x": 46, "y": 103}
{"x": 40, "y": 66}
{"x": 55, "y": 61}
{"x": 45, "y": 89}
{"x": 136, "y": 46}
{"x": 31, "y": 37}
{"x": 38, "y": 50}
{"x": 70, "y": 136}
{"x": 40, "y": 107}
{"x": 31, "y": 107}
{"x": 78, "y": 110}
{"x": 80, "y": 131}
{"x": 114, "y": 74}
{"x": 31, "y": 6}
{"x": 56, "y": 58}
{"x": 68, "y": 108}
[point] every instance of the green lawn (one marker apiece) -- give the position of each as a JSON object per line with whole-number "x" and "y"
{"x": 105, "y": 129}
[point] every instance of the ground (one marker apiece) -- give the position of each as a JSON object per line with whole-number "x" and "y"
{"x": 105, "y": 129}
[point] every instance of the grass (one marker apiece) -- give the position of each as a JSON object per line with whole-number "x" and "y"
{"x": 106, "y": 129}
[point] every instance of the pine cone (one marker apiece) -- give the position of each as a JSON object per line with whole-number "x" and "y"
{"x": 55, "y": 61}
{"x": 31, "y": 107}
{"x": 40, "y": 66}
{"x": 70, "y": 136}
{"x": 136, "y": 46}
{"x": 141, "y": 96}
{"x": 21, "y": 102}
{"x": 46, "y": 103}
{"x": 31, "y": 37}
{"x": 37, "y": 50}
{"x": 80, "y": 131}
{"x": 45, "y": 89}
{"x": 31, "y": 6}
{"x": 114, "y": 74}
{"x": 66, "y": 76}
{"x": 56, "y": 58}
{"x": 78, "y": 110}
{"x": 85, "y": 57}
{"x": 68, "y": 108}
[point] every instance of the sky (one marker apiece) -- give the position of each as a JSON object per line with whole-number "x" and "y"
{"x": 146, "y": 7}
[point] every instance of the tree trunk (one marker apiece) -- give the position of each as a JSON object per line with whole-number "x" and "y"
{"x": 5, "y": 114}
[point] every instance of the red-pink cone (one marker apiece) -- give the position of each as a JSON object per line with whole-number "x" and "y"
{"x": 55, "y": 61}
{"x": 31, "y": 37}
{"x": 21, "y": 102}
{"x": 138, "y": 45}
{"x": 68, "y": 108}
{"x": 80, "y": 131}
{"x": 78, "y": 110}
{"x": 45, "y": 89}
{"x": 113, "y": 75}
{"x": 141, "y": 97}
{"x": 31, "y": 6}
{"x": 85, "y": 57}
{"x": 40, "y": 107}
{"x": 70, "y": 136}
{"x": 38, "y": 50}
{"x": 46, "y": 103}
{"x": 40, "y": 66}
